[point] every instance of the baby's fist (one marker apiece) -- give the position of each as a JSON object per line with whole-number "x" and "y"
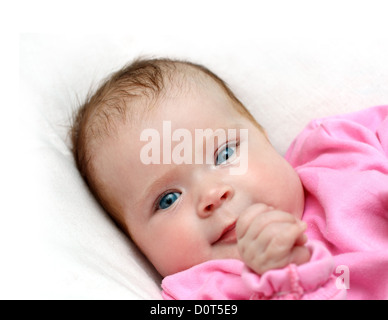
{"x": 270, "y": 239}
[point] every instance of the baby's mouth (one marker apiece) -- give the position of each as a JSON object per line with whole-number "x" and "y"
{"x": 228, "y": 235}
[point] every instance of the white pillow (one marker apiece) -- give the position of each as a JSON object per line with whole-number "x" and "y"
{"x": 66, "y": 246}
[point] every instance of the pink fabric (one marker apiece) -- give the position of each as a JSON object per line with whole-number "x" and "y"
{"x": 230, "y": 279}
{"x": 343, "y": 164}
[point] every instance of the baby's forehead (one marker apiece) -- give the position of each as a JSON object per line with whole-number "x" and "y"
{"x": 187, "y": 82}
{"x": 184, "y": 82}
{"x": 186, "y": 90}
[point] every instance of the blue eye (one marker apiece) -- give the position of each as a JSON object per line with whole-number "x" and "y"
{"x": 225, "y": 153}
{"x": 167, "y": 200}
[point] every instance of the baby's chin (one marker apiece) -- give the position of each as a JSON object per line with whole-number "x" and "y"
{"x": 227, "y": 252}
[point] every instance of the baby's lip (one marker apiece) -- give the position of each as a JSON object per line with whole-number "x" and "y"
{"x": 228, "y": 235}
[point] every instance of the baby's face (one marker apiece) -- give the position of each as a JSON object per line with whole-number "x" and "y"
{"x": 183, "y": 214}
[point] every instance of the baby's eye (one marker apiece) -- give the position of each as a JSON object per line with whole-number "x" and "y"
{"x": 167, "y": 200}
{"x": 225, "y": 153}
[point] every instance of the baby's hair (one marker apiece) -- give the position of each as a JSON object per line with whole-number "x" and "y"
{"x": 142, "y": 80}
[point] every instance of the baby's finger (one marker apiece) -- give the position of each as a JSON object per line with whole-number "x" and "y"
{"x": 299, "y": 255}
{"x": 302, "y": 239}
{"x": 246, "y": 218}
{"x": 272, "y": 248}
{"x": 282, "y": 238}
{"x": 258, "y": 221}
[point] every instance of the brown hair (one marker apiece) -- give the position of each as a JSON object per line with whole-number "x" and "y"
{"x": 96, "y": 118}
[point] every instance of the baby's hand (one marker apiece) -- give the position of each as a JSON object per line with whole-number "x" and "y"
{"x": 270, "y": 239}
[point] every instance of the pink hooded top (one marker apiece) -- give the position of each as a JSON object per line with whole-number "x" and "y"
{"x": 342, "y": 162}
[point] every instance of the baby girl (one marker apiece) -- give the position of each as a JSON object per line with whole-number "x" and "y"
{"x": 190, "y": 176}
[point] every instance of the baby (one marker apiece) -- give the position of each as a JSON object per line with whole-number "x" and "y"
{"x": 190, "y": 176}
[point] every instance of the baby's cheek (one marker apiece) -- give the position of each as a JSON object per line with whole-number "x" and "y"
{"x": 177, "y": 251}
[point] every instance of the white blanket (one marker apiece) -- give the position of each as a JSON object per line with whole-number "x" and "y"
{"x": 63, "y": 244}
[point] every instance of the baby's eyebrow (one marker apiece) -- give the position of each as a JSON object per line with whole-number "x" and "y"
{"x": 158, "y": 183}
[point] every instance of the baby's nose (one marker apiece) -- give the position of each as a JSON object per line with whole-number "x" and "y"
{"x": 213, "y": 198}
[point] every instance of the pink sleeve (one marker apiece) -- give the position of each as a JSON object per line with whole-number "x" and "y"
{"x": 342, "y": 162}
{"x": 364, "y": 132}
{"x": 382, "y": 133}
{"x": 232, "y": 280}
